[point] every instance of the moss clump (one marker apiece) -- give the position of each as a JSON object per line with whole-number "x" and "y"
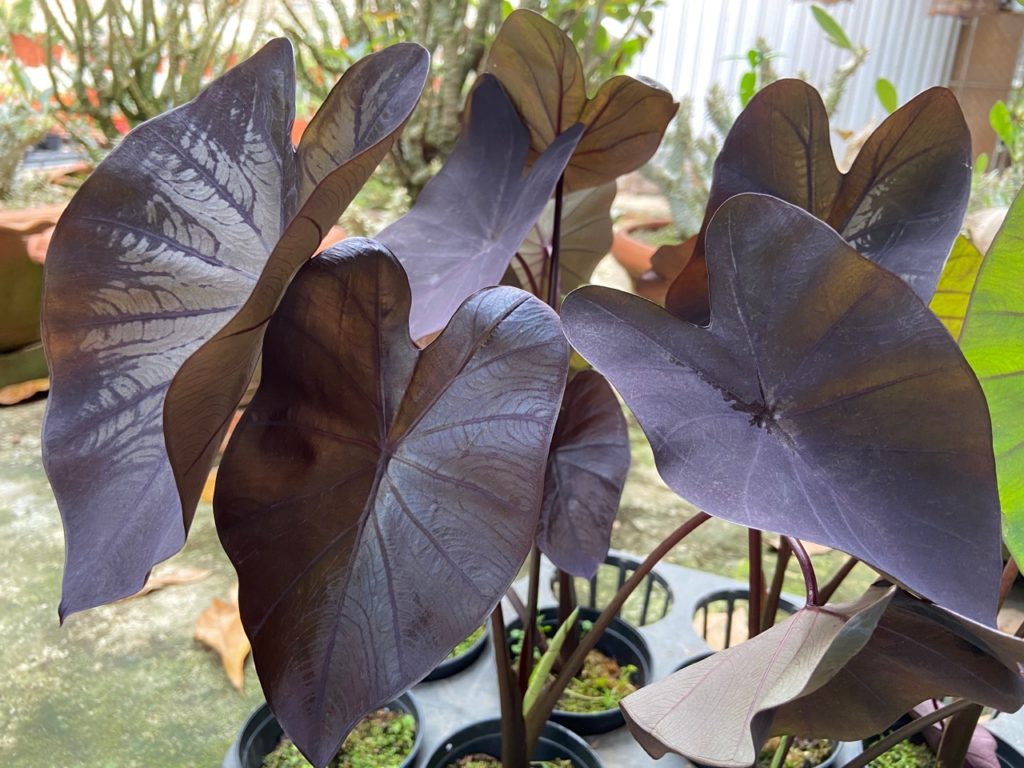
{"x": 466, "y": 644}
{"x": 486, "y": 761}
{"x": 906, "y": 754}
{"x": 382, "y": 739}
{"x": 803, "y": 753}
{"x": 599, "y": 686}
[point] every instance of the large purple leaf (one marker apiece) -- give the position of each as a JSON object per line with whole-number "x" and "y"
{"x": 587, "y": 469}
{"x": 841, "y": 672}
{"x": 585, "y": 237}
{"x": 377, "y": 501}
{"x": 737, "y": 690}
{"x": 624, "y": 122}
{"x": 918, "y": 651}
{"x": 901, "y": 204}
{"x": 470, "y": 218}
{"x": 160, "y": 278}
{"x": 825, "y": 401}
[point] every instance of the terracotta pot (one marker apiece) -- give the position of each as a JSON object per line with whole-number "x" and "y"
{"x": 635, "y": 255}
{"x": 23, "y": 237}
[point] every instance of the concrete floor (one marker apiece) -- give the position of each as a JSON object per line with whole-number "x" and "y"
{"x": 126, "y": 685}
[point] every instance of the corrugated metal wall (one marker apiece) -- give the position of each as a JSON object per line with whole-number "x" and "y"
{"x": 700, "y": 42}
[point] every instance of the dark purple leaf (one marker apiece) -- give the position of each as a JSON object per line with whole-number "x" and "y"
{"x": 586, "y": 236}
{"x": 719, "y": 710}
{"x": 624, "y": 122}
{"x": 918, "y": 651}
{"x": 843, "y": 672}
{"x": 981, "y": 752}
{"x": 376, "y": 500}
{"x": 816, "y": 405}
{"x": 160, "y": 278}
{"x": 587, "y": 469}
{"x": 901, "y": 204}
{"x": 470, "y": 218}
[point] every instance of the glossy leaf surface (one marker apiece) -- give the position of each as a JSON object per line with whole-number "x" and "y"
{"x": 586, "y": 472}
{"x": 901, "y": 204}
{"x": 817, "y": 404}
{"x": 469, "y": 219}
{"x": 586, "y": 236}
{"x": 992, "y": 339}
{"x": 539, "y": 67}
{"x": 376, "y": 500}
{"x": 160, "y": 278}
{"x": 739, "y": 688}
{"x": 918, "y": 651}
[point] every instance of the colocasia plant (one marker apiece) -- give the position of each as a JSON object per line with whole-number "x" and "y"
{"x": 413, "y": 440}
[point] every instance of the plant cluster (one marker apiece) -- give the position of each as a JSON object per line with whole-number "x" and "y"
{"x": 417, "y": 434}
{"x": 382, "y": 739}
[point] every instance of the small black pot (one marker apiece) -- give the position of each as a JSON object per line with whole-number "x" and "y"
{"x": 640, "y": 608}
{"x": 620, "y": 642}
{"x": 484, "y": 737}
{"x": 731, "y": 597}
{"x": 1007, "y": 755}
{"x": 450, "y": 667}
{"x": 261, "y": 734}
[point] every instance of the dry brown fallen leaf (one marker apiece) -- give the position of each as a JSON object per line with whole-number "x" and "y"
{"x": 812, "y": 549}
{"x": 170, "y": 577}
{"x": 209, "y": 486}
{"x": 16, "y": 393}
{"x": 220, "y": 628}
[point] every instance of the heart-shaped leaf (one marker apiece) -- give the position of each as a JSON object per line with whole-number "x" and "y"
{"x": 584, "y": 239}
{"x": 992, "y": 339}
{"x": 825, "y": 402}
{"x": 739, "y": 688}
{"x": 160, "y": 279}
{"x": 539, "y": 67}
{"x": 895, "y": 670}
{"x": 470, "y": 218}
{"x": 901, "y": 203}
{"x": 840, "y": 672}
{"x": 377, "y": 501}
{"x": 587, "y": 469}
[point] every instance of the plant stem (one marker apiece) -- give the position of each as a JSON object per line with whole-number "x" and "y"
{"x": 1009, "y": 576}
{"x": 546, "y": 703}
{"x": 888, "y": 742}
{"x": 556, "y": 242}
{"x": 566, "y": 604}
{"x": 956, "y": 737}
{"x": 513, "y": 731}
{"x": 771, "y": 605}
{"x": 530, "y": 630}
{"x": 810, "y": 580}
{"x": 779, "y": 758}
{"x": 754, "y": 601}
{"x": 833, "y": 584}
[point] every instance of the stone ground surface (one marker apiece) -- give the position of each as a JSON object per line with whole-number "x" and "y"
{"x": 125, "y": 685}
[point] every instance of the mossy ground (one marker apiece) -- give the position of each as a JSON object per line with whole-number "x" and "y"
{"x": 485, "y": 761}
{"x": 383, "y": 739}
{"x": 466, "y": 644}
{"x": 803, "y": 753}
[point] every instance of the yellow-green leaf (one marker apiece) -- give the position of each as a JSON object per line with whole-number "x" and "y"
{"x": 954, "y": 291}
{"x": 992, "y": 340}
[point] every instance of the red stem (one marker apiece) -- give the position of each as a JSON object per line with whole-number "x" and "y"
{"x": 756, "y": 583}
{"x": 810, "y": 580}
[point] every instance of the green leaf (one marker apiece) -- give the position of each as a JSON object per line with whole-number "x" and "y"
{"x": 992, "y": 340}
{"x": 1002, "y": 122}
{"x": 831, "y": 28}
{"x": 954, "y": 290}
{"x": 748, "y": 85}
{"x": 887, "y": 94}
{"x": 981, "y": 164}
{"x": 539, "y": 676}
{"x": 754, "y": 57}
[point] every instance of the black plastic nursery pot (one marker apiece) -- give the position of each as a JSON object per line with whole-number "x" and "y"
{"x": 729, "y": 600}
{"x": 454, "y": 665}
{"x": 261, "y": 734}
{"x": 484, "y": 738}
{"x": 620, "y": 642}
{"x": 650, "y": 603}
